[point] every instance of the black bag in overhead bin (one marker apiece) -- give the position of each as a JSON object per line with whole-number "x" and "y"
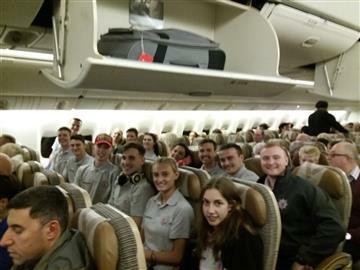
{"x": 168, "y": 46}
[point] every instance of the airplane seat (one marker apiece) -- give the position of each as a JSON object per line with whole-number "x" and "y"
{"x": 130, "y": 250}
{"x": 96, "y": 229}
{"x": 295, "y": 159}
{"x": 117, "y": 159}
{"x": 203, "y": 175}
{"x": 335, "y": 183}
{"x": 219, "y": 138}
{"x": 163, "y": 149}
{"x": 147, "y": 170}
{"x": 259, "y": 201}
{"x": 25, "y": 173}
{"x": 80, "y": 198}
{"x": 11, "y": 149}
{"x": 6, "y": 166}
{"x": 247, "y": 149}
{"x": 30, "y": 154}
{"x": 89, "y": 147}
{"x": 190, "y": 187}
{"x": 39, "y": 179}
{"x": 16, "y": 161}
{"x": 254, "y": 164}
{"x": 54, "y": 178}
{"x": 196, "y": 163}
{"x": 170, "y": 139}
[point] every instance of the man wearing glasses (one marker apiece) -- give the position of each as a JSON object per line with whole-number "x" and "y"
{"x": 344, "y": 155}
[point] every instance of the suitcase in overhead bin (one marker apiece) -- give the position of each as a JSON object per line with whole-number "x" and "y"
{"x": 167, "y": 46}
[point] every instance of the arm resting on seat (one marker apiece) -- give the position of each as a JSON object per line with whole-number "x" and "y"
{"x": 339, "y": 260}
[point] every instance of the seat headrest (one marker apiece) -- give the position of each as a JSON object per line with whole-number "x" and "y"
{"x": 254, "y": 164}
{"x": 40, "y": 179}
{"x": 327, "y": 178}
{"x": 80, "y": 197}
{"x": 100, "y": 238}
{"x": 6, "y": 167}
{"x": 189, "y": 184}
{"x": 253, "y": 203}
{"x": 26, "y": 171}
{"x": 147, "y": 170}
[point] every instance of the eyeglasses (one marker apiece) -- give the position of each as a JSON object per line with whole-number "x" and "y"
{"x": 336, "y": 155}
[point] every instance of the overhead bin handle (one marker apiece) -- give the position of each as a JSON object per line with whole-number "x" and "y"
{"x": 57, "y": 52}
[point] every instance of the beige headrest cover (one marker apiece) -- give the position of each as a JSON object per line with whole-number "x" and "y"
{"x": 11, "y": 149}
{"x": 189, "y": 184}
{"x": 253, "y": 203}
{"x": 100, "y": 237}
{"x": 5, "y": 165}
{"x": 326, "y": 178}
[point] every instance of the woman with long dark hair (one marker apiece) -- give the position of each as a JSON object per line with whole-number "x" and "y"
{"x": 226, "y": 236}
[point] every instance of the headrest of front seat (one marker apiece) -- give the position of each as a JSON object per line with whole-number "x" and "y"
{"x": 327, "y": 178}
{"x": 189, "y": 184}
{"x": 254, "y": 204}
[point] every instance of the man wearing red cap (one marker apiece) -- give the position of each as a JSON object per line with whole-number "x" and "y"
{"x": 98, "y": 176}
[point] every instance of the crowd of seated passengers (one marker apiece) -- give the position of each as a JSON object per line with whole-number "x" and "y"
{"x": 103, "y": 150}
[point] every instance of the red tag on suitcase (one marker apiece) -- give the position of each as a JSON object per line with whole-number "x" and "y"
{"x": 145, "y": 57}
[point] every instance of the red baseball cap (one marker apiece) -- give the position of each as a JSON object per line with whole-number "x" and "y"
{"x": 103, "y": 138}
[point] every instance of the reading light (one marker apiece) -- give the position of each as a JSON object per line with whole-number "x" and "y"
{"x": 26, "y": 55}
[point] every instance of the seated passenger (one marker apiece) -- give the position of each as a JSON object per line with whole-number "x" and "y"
{"x": 208, "y": 157}
{"x": 97, "y": 177}
{"x": 311, "y": 226}
{"x": 38, "y": 238}
{"x": 232, "y": 162}
{"x": 132, "y": 135}
{"x": 131, "y": 190}
{"x": 150, "y": 141}
{"x": 309, "y": 153}
{"x": 77, "y": 146}
{"x": 118, "y": 141}
{"x": 226, "y": 237}
{"x": 182, "y": 154}
{"x": 344, "y": 155}
{"x": 167, "y": 218}
{"x": 9, "y": 189}
{"x": 60, "y": 156}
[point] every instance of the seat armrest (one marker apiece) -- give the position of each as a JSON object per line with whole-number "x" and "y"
{"x": 339, "y": 260}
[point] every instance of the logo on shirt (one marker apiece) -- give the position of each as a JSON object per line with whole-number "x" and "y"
{"x": 282, "y": 204}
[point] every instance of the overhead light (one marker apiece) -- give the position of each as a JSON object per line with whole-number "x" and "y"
{"x": 26, "y": 55}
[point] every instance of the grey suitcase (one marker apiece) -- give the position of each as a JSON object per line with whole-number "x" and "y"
{"x": 167, "y": 46}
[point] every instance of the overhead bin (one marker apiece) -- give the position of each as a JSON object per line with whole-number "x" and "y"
{"x": 305, "y": 38}
{"x": 252, "y": 53}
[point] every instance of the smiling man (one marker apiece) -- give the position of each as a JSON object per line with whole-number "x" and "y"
{"x": 38, "y": 238}
{"x": 311, "y": 226}
{"x": 131, "y": 190}
{"x": 98, "y": 176}
{"x": 232, "y": 162}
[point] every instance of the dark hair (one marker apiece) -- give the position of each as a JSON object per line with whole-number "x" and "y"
{"x": 321, "y": 104}
{"x": 78, "y": 137}
{"x": 186, "y": 148}
{"x": 77, "y": 119}
{"x": 202, "y": 142}
{"x": 155, "y": 139}
{"x": 231, "y": 145}
{"x": 9, "y": 187}
{"x": 8, "y": 138}
{"x": 64, "y": 129}
{"x": 133, "y": 130}
{"x": 45, "y": 202}
{"x": 136, "y": 146}
{"x": 228, "y": 229}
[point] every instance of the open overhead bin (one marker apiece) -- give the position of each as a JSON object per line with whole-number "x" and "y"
{"x": 248, "y": 39}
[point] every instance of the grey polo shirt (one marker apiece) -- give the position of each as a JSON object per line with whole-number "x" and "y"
{"x": 163, "y": 223}
{"x": 245, "y": 174}
{"x": 60, "y": 159}
{"x": 72, "y": 165}
{"x": 131, "y": 198}
{"x": 97, "y": 180}
{"x": 214, "y": 171}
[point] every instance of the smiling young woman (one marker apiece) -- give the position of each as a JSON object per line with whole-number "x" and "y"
{"x": 226, "y": 237}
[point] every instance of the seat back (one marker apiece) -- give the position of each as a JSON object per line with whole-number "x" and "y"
{"x": 130, "y": 250}
{"x": 259, "y": 201}
{"x": 254, "y": 164}
{"x": 26, "y": 171}
{"x": 334, "y": 182}
{"x": 189, "y": 185}
{"x": 100, "y": 237}
{"x": 30, "y": 154}
{"x": 5, "y": 165}
{"x": 203, "y": 176}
